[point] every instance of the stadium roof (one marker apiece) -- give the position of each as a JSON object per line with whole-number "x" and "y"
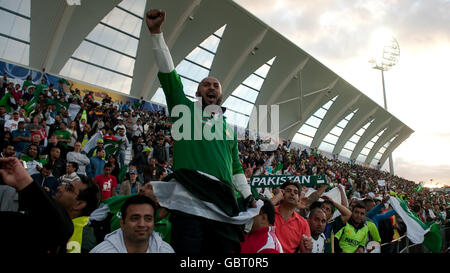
{"x": 107, "y": 44}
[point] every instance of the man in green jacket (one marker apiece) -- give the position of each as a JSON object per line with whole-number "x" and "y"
{"x": 352, "y": 238}
{"x": 214, "y": 153}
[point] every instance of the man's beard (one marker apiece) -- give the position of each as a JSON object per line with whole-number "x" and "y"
{"x": 218, "y": 102}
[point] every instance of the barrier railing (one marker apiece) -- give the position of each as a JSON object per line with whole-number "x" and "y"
{"x": 395, "y": 242}
{"x": 403, "y": 244}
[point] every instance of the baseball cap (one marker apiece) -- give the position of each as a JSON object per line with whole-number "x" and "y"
{"x": 100, "y": 140}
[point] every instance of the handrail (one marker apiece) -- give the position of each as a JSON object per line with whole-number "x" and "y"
{"x": 393, "y": 241}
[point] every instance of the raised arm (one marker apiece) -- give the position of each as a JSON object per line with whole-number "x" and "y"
{"x": 345, "y": 212}
{"x": 55, "y": 225}
{"x": 313, "y": 197}
{"x": 344, "y": 200}
{"x": 169, "y": 79}
{"x": 154, "y": 19}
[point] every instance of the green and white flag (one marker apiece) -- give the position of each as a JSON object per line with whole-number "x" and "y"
{"x": 31, "y": 105}
{"x": 58, "y": 104}
{"x": 417, "y": 231}
{"x": 420, "y": 187}
{"x": 274, "y": 181}
{"x": 40, "y": 88}
{"x": 64, "y": 84}
{"x": 112, "y": 147}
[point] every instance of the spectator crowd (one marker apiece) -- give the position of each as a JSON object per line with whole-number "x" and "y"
{"x": 62, "y": 138}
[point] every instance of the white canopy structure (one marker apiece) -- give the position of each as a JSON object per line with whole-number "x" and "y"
{"x": 106, "y": 43}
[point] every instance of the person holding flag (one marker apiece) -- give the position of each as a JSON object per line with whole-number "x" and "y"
{"x": 28, "y": 95}
{"x": 418, "y": 232}
{"x": 197, "y": 171}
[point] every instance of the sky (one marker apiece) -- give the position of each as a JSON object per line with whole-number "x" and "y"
{"x": 344, "y": 34}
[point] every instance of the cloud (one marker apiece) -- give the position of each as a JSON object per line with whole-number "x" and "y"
{"x": 338, "y": 33}
{"x": 338, "y": 30}
{"x": 419, "y": 172}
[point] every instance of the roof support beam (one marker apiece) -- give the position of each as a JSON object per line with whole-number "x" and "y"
{"x": 329, "y": 87}
{"x": 340, "y": 108}
{"x": 393, "y": 129}
{"x": 397, "y": 141}
{"x": 56, "y": 31}
{"x": 288, "y": 100}
{"x": 313, "y": 106}
{"x": 357, "y": 122}
{"x": 371, "y": 131}
{"x": 288, "y": 127}
{"x": 145, "y": 79}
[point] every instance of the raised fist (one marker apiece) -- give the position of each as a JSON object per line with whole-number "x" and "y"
{"x": 154, "y": 19}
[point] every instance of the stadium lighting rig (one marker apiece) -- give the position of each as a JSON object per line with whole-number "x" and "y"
{"x": 389, "y": 58}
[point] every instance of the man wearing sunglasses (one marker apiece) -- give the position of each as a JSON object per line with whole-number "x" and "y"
{"x": 47, "y": 224}
{"x": 79, "y": 198}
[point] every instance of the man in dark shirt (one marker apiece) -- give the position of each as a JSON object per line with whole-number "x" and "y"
{"x": 58, "y": 164}
{"x": 45, "y": 227}
{"x": 47, "y": 181}
{"x": 160, "y": 152}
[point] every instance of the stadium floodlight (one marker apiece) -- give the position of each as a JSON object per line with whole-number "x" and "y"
{"x": 389, "y": 57}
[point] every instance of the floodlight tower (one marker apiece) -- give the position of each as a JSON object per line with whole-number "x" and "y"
{"x": 390, "y": 57}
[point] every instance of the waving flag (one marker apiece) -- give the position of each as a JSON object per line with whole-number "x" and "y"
{"x": 417, "y": 231}
{"x": 420, "y": 187}
{"x": 30, "y": 106}
{"x": 111, "y": 146}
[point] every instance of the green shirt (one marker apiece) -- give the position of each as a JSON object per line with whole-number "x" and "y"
{"x": 373, "y": 232}
{"x": 350, "y": 238}
{"x": 215, "y": 157}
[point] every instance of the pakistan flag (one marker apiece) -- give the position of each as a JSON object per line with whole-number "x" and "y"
{"x": 111, "y": 147}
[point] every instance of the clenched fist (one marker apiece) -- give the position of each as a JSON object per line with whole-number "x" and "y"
{"x": 306, "y": 244}
{"x": 154, "y": 19}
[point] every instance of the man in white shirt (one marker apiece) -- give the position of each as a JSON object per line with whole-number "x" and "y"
{"x": 81, "y": 159}
{"x": 138, "y": 129}
{"x": 13, "y": 123}
{"x": 120, "y": 125}
{"x": 317, "y": 221}
{"x": 125, "y": 143}
{"x": 136, "y": 233}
